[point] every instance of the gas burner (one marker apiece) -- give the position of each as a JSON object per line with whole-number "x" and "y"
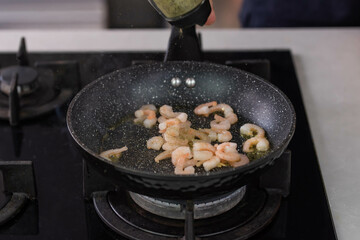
{"x": 252, "y": 214}
{"x": 27, "y": 79}
{"x": 204, "y": 208}
{"x": 27, "y": 92}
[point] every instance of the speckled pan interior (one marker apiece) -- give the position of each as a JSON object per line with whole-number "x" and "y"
{"x": 100, "y": 117}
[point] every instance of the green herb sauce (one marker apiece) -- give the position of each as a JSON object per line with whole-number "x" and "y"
{"x": 176, "y": 8}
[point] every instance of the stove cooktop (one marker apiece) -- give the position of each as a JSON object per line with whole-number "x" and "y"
{"x": 58, "y": 209}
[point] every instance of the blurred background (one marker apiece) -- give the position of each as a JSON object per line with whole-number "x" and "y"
{"x": 98, "y": 14}
{"x": 103, "y": 14}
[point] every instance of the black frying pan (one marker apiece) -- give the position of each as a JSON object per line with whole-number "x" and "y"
{"x": 100, "y": 118}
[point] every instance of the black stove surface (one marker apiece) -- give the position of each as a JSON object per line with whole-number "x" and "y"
{"x": 60, "y": 211}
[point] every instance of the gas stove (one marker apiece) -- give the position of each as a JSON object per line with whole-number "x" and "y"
{"x": 49, "y": 192}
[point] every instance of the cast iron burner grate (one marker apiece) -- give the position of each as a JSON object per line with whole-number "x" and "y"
{"x": 253, "y": 213}
{"x": 27, "y": 92}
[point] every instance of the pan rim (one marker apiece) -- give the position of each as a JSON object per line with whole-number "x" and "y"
{"x": 263, "y": 161}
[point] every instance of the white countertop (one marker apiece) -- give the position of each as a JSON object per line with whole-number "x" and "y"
{"x": 328, "y": 67}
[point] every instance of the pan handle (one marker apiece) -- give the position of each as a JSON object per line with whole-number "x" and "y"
{"x": 184, "y": 45}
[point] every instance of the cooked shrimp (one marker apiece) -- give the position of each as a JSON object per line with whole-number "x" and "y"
{"x": 179, "y": 157}
{"x": 149, "y": 123}
{"x": 261, "y": 143}
{"x": 185, "y": 125}
{"x": 146, "y": 115}
{"x": 155, "y": 143}
{"x": 139, "y": 114}
{"x": 162, "y": 119}
{"x": 188, "y": 133}
{"x": 228, "y": 156}
{"x": 232, "y": 118}
{"x": 149, "y": 107}
{"x": 189, "y": 170}
{"x": 202, "y": 155}
{"x": 181, "y": 152}
{"x": 150, "y": 118}
{"x": 175, "y": 140}
{"x": 202, "y": 152}
{"x": 169, "y": 147}
{"x": 220, "y": 126}
{"x": 139, "y": 120}
{"x": 173, "y": 130}
{"x": 113, "y": 154}
{"x": 162, "y": 156}
{"x": 243, "y": 160}
{"x": 204, "y": 109}
{"x": 179, "y": 164}
{"x": 199, "y": 163}
{"x": 185, "y": 171}
{"x": 224, "y": 136}
{"x": 167, "y": 111}
{"x": 222, "y": 107}
{"x": 183, "y": 168}
{"x": 190, "y": 162}
{"x": 227, "y": 151}
{"x": 228, "y": 112}
{"x": 211, "y": 133}
{"x": 150, "y": 114}
{"x": 170, "y": 122}
{"x": 227, "y": 146}
{"x": 252, "y": 130}
{"x": 211, "y": 163}
{"x": 182, "y": 117}
{"x": 203, "y": 146}
{"x": 202, "y": 136}
{"x": 219, "y": 118}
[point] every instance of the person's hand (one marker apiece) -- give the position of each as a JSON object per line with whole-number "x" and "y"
{"x": 211, "y": 19}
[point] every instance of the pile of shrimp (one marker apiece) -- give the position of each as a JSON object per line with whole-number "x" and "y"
{"x": 188, "y": 147}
